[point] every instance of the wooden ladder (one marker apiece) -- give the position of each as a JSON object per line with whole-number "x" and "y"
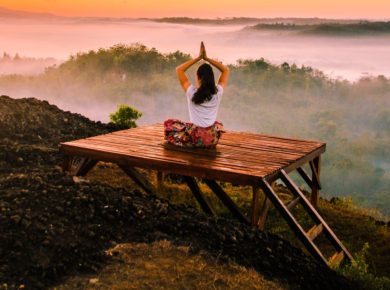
{"x": 307, "y": 238}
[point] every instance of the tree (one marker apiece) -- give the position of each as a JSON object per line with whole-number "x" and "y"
{"x": 125, "y": 116}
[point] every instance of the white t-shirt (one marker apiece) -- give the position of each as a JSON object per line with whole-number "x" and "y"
{"x": 205, "y": 114}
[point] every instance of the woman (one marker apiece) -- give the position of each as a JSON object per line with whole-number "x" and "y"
{"x": 203, "y": 102}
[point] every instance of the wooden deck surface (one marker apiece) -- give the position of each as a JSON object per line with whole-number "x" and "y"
{"x": 242, "y": 158}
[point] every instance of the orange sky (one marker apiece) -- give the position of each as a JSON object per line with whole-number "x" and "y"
{"x": 207, "y": 8}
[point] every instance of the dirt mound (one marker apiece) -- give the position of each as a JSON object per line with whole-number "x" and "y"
{"x": 33, "y": 121}
{"x": 53, "y": 227}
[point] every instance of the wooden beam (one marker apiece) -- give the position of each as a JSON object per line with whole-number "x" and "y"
{"x": 181, "y": 168}
{"x": 139, "y": 179}
{"x": 297, "y": 163}
{"x": 204, "y": 205}
{"x": 315, "y": 189}
{"x": 291, "y": 221}
{"x": 305, "y": 177}
{"x": 77, "y": 165}
{"x": 87, "y": 165}
{"x": 226, "y": 200}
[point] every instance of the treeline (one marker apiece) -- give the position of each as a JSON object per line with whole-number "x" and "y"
{"x": 284, "y": 99}
{"x": 331, "y": 29}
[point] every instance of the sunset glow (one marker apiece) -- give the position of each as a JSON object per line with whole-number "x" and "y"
{"x": 374, "y": 9}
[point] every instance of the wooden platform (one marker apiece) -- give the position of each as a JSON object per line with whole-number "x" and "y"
{"x": 241, "y": 158}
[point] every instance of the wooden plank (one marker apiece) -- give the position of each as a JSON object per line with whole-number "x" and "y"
{"x": 163, "y": 165}
{"x": 295, "y": 227}
{"x": 139, "y": 179}
{"x": 314, "y": 231}
{"x": 336, "y": 259}
{"x": 221, "y": 151}
{"x": 226, "y": 200}
{"x": 204, "y": 204}
{"x": 182, "y": 155}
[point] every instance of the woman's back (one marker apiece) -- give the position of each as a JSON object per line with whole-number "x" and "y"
{"x": 204, "y": 114}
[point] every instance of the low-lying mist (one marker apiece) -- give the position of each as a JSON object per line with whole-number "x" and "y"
{"x": 285, "y": 100}
{"x": 346, "y": 57}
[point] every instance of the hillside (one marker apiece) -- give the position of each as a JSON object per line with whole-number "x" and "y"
{"x": 54, "y": 226}
{"x": 352, "y": 118}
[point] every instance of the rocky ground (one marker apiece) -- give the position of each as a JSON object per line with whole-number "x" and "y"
{"x": 52, "y": 227}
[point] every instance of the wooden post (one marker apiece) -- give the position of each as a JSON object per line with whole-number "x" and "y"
{"x": 264, "y": 210}
{"x": 160, "y": 181}
{"x": 255, "y": 205}
{"x": 315, "y": 191}
{"x": 264, "y": 213}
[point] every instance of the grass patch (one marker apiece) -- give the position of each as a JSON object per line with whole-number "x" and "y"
{"x": 161, "y": 265}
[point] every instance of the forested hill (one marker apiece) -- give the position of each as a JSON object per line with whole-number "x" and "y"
{"x": 329, "y": 29}
{"x": 280, "y": 99}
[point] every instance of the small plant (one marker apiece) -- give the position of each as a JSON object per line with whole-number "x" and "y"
{"x": 125, "y": 116}
{"x": 357, "y": 271}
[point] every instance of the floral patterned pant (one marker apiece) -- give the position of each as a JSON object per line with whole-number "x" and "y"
{"x": 189, "y": 135}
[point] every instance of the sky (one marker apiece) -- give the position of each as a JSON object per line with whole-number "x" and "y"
{"x": 369, "y": 9}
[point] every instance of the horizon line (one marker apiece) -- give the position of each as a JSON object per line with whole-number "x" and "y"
{"x": 42, "y": 14}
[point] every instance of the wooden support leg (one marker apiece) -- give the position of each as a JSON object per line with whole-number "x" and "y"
{"x": 139, "y": 179}
{"x": 315, "y": 189}
{"x": 78, "y": 166}
{"x": 160, "y": 181}
{"x": 264, "y": 210}
{"x": 305, "y": 177}
{"x": 255, "y": 205}
{"x": 206, "y": 207}
{"x": 264, "y": 213}
{"x": 226, "y": 200}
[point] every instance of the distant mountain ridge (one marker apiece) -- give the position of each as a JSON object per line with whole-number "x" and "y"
{"x": 11, "y": 13}
{"x": 331, "y": 29}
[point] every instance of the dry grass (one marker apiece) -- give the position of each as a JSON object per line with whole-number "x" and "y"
{"x": 162, "y": 265}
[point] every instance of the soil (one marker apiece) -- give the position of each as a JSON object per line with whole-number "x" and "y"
{"x": 54, "y": 226}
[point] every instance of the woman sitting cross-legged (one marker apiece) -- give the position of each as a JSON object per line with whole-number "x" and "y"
{"x": 203, "y": 101}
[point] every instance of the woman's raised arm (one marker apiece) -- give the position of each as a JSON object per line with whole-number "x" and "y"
{"x": 224, "y": 77}
{"x": 181, "y": 69}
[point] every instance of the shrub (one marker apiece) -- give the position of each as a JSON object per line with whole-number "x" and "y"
{"x": 357, "y": 271}
{"x": 125, "y": 116}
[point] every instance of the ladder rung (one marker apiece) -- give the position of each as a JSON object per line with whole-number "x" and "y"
{"x": 336, "y": 259}
{"x": 293, "y": 203}
{"x": 314, "y": 231}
